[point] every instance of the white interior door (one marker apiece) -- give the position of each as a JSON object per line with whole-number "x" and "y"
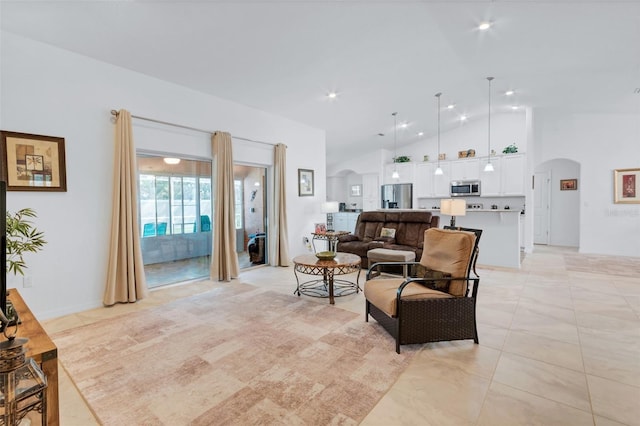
{"x": 541, "y": 208}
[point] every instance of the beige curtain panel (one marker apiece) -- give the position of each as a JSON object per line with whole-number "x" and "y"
{"x": 224, "y": 259}
{"x": 279, "y": 245}
{"x": 125, "y": 274}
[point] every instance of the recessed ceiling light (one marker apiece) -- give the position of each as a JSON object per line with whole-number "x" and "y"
{"x": 451, "y": 106}
{"x": 515, "y": 107}
{"x": 484, "y": 26}
{"x": 420, "y": 133}
{"x": 463, "y": 118}
{"x": 509, "y": 92}
{"x": 403, "y": 125}
{"x": 332, "y": 95}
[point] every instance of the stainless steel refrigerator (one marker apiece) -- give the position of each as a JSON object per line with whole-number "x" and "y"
{"x": 397, "y": 196}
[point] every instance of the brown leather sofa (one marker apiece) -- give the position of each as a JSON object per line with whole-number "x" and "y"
{"x": 409, "y": 229}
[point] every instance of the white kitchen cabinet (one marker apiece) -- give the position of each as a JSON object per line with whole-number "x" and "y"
{"x": 507, "y": 179}
{"x": 423, "y": 185}
{"x": 513, "y": 174}
{"x": 429, "y": 185}
{"x": 491, "y": 182}
{"x": 370, "y": 192}
{"x": 442, "y": 183}
{"x": 405, "y": 170}
{"x": 467, "y": 169}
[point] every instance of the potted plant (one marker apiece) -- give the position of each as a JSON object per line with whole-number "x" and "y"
{"x": 511, "y": 149}
{"x": 402, "y": 159}
{"x": 22, "y": 237}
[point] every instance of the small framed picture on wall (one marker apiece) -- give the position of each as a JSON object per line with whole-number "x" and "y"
{"x": 626, "y": 186}
{"x": 305, "y": 182}
{"x": 568, "y": 184}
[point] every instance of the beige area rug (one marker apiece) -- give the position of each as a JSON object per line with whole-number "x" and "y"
{"x": 233, "y": 355}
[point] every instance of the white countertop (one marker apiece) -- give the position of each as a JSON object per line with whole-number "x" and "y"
{"x": 481, "y": 210}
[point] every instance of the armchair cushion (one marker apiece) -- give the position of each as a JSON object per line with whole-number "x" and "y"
{"x": 382, "y": 293}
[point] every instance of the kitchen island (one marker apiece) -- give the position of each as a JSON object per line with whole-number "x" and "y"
{"x": 500, "y": 241}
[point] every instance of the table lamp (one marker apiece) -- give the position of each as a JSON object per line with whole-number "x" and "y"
{"x": 330, "y": 207}
{"x": 453, "y": 208}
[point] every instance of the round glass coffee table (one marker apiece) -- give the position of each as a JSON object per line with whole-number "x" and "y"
{"x": 327, "y": 286}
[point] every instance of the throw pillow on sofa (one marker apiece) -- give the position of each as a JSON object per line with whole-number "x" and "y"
{"x": 388, "y": 233}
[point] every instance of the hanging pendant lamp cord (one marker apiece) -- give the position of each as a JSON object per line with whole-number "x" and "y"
{"x": 438, "y": 153}
{"x": 489, "y": 120}
{"x": 395, "y": 142}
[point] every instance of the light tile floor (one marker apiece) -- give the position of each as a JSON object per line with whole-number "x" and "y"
{"x": 559, "y": 345}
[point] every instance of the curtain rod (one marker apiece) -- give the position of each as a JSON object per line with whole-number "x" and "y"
{"x": 115, "y": 114}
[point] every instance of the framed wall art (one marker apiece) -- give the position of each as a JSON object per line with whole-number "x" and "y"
{"x": 32, "y": 162}
{"x": 305, "y": 182}
{"x": 568, "y": 184}
{"x": 356, "y": 190}
{"x": 626, "y": 186}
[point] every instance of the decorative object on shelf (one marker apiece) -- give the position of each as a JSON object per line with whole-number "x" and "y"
{"x": 441, "y": 156}
{"x": 626, "y": 188}
{"x": 425, "y": 158}
{"x": 33, "y": 162}
{"x": 568, "y": 184}
{"x": 305, "y": 182}
{"x": 511, "y": 149}
{"x": 402, "y": 159}
{"x": 326, "y": 255}
{"x": 489, "y": 167}
{"x": 395, "y": 174}
{"x": 24, "y": 384}
{"x": 453, "y": 208}
{"x": 467, "y": 153}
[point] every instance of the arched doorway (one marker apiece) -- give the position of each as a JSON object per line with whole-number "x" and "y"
{"x": 557, "y": 203}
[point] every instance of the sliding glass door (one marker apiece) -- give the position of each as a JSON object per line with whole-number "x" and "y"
{"x": 175, "y": 218}
{"x": 251, "y": 215}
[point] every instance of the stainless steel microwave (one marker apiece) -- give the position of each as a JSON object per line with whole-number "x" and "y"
{"x": 465, "y": 188}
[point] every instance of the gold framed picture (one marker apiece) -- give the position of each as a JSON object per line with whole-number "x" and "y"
{"x": 626, "y": 186}
{"x": 33, "y": 162}
{"x": 568, "y": 184}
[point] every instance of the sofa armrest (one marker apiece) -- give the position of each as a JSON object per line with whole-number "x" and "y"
{"x": 347, "y": 238}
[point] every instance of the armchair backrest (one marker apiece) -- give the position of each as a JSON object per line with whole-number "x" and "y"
{"x": 451, "y": 252}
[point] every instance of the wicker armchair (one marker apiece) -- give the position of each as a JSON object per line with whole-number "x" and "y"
{"x": 438, "y": 302}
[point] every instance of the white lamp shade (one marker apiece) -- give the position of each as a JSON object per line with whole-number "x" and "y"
{"x": 438, "y": 171}
{"x": 329, "y": 207}
{"x": 488, "y": 167}
{"x": 395, "y": 175}
{"x": 453, "y": 207}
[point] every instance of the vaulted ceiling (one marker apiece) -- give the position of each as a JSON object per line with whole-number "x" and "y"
{"x": 284, "y": 57}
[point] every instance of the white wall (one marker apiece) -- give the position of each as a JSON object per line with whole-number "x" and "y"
{"x": 601, "y": 143}
{"x": 564, "y": 209}
{"x": 49, "y": 91}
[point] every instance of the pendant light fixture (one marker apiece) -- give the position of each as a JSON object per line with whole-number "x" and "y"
{"x": 438, "y": 171}
{"x": 395, "y": 174}
{"x": 489, "y": 166}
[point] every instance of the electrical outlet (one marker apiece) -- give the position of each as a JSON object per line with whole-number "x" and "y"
{"x": 27, "y": 281}
{"x": 305, "y": 240}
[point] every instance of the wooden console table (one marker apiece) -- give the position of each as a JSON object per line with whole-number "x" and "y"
{"x": 42, "y": 349}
